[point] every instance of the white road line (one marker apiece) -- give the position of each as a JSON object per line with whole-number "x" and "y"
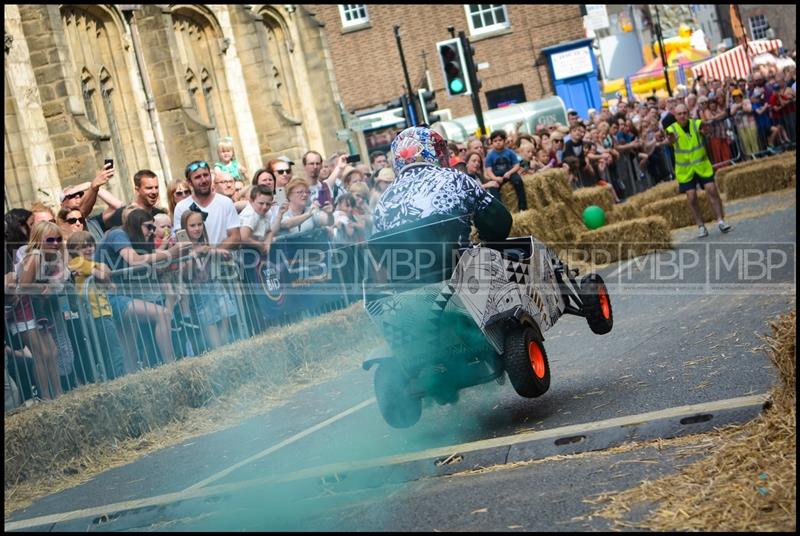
{"x": 624, "y": 266}
{"x": 280, "y": 445}
{"x": 321, "y": 471}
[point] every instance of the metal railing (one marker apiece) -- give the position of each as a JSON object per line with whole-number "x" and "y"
{"x": 153, "y": 314}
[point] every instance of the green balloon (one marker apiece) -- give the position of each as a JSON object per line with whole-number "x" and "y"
{"x": 594, "y": 217}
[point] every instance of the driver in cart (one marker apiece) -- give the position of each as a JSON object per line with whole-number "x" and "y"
{"x": 427, "y": 189}
{"x": 453, "y": 314}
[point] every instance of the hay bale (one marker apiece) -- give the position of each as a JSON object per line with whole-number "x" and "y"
{"x": 45, "y": 438}
{"x": 759, "y": 176}
{"x": 662, "y": 190}
{"x": 596, "y": 195}
{"x": 554, "y": 224}
{"x": 786, "y": 159}
{"x": 756, "y": 180}
{"x": 677, "y": 212}
{"x": 541, "y": 190}
{"x": 622, "y": 212}
{"x": 624, "y": 240}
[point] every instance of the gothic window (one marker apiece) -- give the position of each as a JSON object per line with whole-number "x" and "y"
{"x": 88, "y": 90}
{"x": 199, "y": 51}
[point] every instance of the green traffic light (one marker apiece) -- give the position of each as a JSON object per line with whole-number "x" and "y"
{"x": 456, "y": 85}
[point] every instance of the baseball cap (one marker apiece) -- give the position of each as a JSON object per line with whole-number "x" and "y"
{"x": 572, "y": 111}
{"x": 736, "y": 93}
{"x": 286, "y": 159}
{"x": 557, "y": 135}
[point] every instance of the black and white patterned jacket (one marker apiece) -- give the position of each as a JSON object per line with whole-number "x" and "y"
{"x": 423, "y": 190}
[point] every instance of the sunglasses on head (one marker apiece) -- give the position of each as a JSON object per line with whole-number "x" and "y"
{"x": 194, "y": 166}
{"x": 73, "y": 221}
{"x": 54, "y": 239}
{"x": 73, "y": 196}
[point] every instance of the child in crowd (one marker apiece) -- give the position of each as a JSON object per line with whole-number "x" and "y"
{"x": 544, "y": 160}
{"x": 81, "y": 247}
{"x": 227, "y": 160}
{"x": 362, "y": 212}
{"x": 347, "y": 228}
{"x": 212, "y": 303}
{"x": 502, "y": 164}
{"x": 526, "y": 152}
{"x": 258, "y": 226}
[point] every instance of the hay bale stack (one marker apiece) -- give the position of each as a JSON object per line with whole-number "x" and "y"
{"x": 542, "y": 189}
{"x": 721, "y": 174}
{"x": 596, "y": 195}
{"x": 662, "y": 190}
{"x": 48, "y": 437}
{"x": 624, "y": 240}
{"x": 554, "y": 224}
{"x": 756, "y": 180}
{"x": 789, "y": 165}
{"x": 622, "y": 212}
{"x": 759, "y": 176}
{"x": 564, "y": 225}
{"x": 677, "y": 212}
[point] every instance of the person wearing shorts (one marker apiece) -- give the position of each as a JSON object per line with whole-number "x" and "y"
{"x": 693, "y": 169}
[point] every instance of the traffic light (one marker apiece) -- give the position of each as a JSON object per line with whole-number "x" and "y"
{"x": 427, "y": 102}
{"x": 454, "y": 66}
{"x": 402, "y": 113}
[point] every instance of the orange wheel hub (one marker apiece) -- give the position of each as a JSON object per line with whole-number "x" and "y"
{"x": 537, "y": 359}
{"x": 605, "y": 304}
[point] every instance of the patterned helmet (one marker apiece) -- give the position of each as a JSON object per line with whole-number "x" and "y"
{"x": 419, "y": 144}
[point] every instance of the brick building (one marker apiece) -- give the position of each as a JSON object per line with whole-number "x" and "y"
{"x": 509, "y": 38}
{"x": 765, "y": 21}
{"x": 156, "y": 86}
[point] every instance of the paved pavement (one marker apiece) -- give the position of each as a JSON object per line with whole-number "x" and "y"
{"x": 688, "y": 338}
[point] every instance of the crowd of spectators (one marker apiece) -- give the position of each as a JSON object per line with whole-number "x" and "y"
{"x": 218, "y": 213}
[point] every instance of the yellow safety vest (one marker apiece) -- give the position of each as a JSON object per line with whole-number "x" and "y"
{"x": 690, "y": 153}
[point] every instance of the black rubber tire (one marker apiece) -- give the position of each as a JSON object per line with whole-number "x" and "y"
{"x": 518, "y": 362}
{"x": 398, "y": 408}
{"x": 596, "y": 304}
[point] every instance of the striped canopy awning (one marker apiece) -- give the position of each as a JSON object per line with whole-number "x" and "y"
{"x": 735, "y": 62}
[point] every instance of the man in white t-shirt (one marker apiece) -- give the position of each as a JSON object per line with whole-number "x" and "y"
{"x": 257, "y": 226}
{"x": 221, "y": 220}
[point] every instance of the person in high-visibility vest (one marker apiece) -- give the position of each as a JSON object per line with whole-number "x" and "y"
{"x": 693, "y": 168}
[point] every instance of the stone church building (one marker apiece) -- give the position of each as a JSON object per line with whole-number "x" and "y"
{"x": 156, "y": 86}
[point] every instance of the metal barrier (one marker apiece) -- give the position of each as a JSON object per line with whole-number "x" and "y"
{"x": 158, "y": 313}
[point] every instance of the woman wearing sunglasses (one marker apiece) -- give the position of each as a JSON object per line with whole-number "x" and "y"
{"x": 130, "y": 246}
{"x": 41, "y": 276}
{"x": 70, "y": 220}
{"x": 177, "y": 191}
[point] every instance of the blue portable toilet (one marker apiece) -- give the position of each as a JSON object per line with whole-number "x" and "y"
{"x": 573, "y": 70}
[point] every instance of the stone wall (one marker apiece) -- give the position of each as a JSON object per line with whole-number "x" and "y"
{"x": 75, "y": 92}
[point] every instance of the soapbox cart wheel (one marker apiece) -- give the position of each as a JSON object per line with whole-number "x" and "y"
{"x": 526, "y": 362}
{"x": 596, "y": 304}
{"x": 397, "y": 406}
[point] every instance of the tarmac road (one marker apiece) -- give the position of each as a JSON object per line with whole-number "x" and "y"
{"x": 687, "y": 336}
